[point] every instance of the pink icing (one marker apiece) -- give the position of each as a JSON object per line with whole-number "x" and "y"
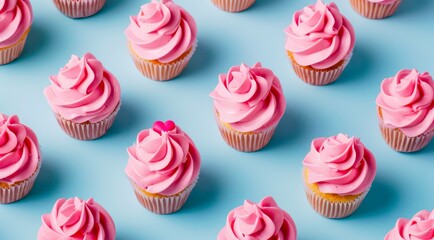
{"x": 161, "y": 31}
{"x": 164, "y": 160}
{"x": 83, "y": 90}
{"x": 76, "y": 219}
{"x": 249, "y": 98}
{"x": 419, "y": 227}
{"x": 16, "y": 16}
{"x": 383, "y": 1}
{"x": 319, "y": 36}
{"x": 407, "y": 102}
{"x": 340, "y": 165}
{"x": 265, "y": 220}
{"x": 19, "y": 150}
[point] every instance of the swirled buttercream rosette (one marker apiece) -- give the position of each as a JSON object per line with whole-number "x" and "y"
{"x": 375, "y": 9}
{"x": 420, "y": 227}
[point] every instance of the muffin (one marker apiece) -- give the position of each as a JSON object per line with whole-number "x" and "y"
{"x": 19, "y": 157}
{"x": 79, "y": 8}
{"x": 319, "y": 43}
{"x": 76, "y": 219}
{"x": 405, "y": 107}
{"x": 375, "y": 9}
{"x": 248, "y": 105}
{"x": 233, "y": 5}
{"x": 84, "y": 97}
{"x": 265, "y": 220}
{"x": 163, "y": 167}
{"x": 161, "y": 39}
{"x": 419, "y": 227}
{"x": 338, "y": 173}
{"x": 16, "y": 18}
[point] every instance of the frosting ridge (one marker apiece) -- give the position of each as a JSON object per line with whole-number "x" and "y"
{"x": 419, "y": 227}
{"x": 16, "y": 17}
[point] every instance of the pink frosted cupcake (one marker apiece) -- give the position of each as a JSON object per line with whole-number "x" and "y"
{"x": 233, "y": 5}
{"x": 76, "y": 219}
{"x": 163, "y": 167}
{"x": 419, "y": 227}
{"x": 338, "y": 173}
{"x": 405, "y": 108}
{"x": 19, "y": 157}
{"x": 161, "y": 39}
{"x": 265, "y": 220}
{"x": 16, "y": 18}
{"x": 375, "y": 9}
{"x": 248, "y": 105}
{"x": 79, "y": 8}
{"x": 84, "y": 97}
{"x": 319, "y": 43}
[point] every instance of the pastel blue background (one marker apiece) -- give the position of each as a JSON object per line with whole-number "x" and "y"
{"x": 404, "y": 182}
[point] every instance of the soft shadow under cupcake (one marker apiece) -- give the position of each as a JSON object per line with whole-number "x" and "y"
{"x": 201, "y": 61}
{"x": 267, "y": 4}
{"x": 38, "y": 41}
{"x": 126, "y": 120}
{"x": 414, "y": 7}
{"x": 47, "y": 182}
{"x": 360, "y": 65}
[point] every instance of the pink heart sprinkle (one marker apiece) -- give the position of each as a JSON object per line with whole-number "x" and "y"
{"x": 167, "y": 126}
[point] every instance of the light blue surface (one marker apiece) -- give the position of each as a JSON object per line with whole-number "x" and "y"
{"x": 404, "y": 182}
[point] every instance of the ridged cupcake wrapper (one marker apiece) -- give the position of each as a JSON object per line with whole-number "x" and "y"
{"x": 331, "y": 209}
{"x": 87, "y": 131}
{"x": 233, "y": 5}
{"x": 161, "y": 72}
{"x": 163, "y": 204}
{"x": 398, "y": 141}
{"x": 10, "y": 53}
{"x": 320, "y": 77}
{"x": 20, "y": 190}
{"x": 79, "y": 8}
{"x": 245, "y": 142}
{"x": 374, "y": 10}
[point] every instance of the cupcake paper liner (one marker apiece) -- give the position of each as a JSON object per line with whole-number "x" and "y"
{"x": 374, "y": 10}
{"x": 233, "y": 5}
{"x": 161, "y": 72}
{"x": 87, "y": 131}
{"x": 20, "y": 190}
{"x": 319, "y": 77}
{"x": 10, "y": 53}
{"x": 163, "y": 204}
{"x": 79, "y": 8}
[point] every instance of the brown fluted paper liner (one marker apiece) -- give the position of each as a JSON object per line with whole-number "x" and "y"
{"x": 79, "y": 8}
{"x": 163, "y": 204}
{"x": 374, "y": 10}
{"x": 87, "y": 130}
{"x": 233, "y": 5}
{"x": 161, "y": 71}
{"x": 18, "y": 190}
{"x": 10, "y": 53}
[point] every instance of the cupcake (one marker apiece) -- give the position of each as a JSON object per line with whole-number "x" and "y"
{"x": 16, "y": 18}
{"x": 338, "y": 173}
{"x": 84, "y": 97}
{"x": 375, "y": 9}
{"x": 405, "y": 107}
{"x": 319, "y": 43}
{"x": 265, "y": 220}
{"x": 248, "y": 105}
{"x": 76, "y": 219}
{"x": 161, "y": 39}
{"x": 419, "y": 227}
{"x": 19, "y": 157}
{"x": 79, "y": 8}
{"x": 233, "y": 5}
{"x": 163, "y": 167}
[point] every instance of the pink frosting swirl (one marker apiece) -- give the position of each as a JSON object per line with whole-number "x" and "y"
{"x": 19, "y": 150}
{"x": 340, "y": 165}
{"x": 383, "y": 1}
{"x": 249, "y": 98}
{"x": 83, "y": 90}
{"x": 407, "y": 102}
{"x": 76, "y": 219}
{"x": 419, "y": 227}
{"x": 164, "y": 160}
{"x": 16, "y": 16}
{"x": 265, "y": 220}
{"x": 162, "y": 31}
{"x": 319, "y": 36}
